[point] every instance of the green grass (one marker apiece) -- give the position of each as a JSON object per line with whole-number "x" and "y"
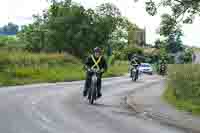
{"x": 118, "y": 69}
{"x": 155, "y": 67}
{"x": 21, "y": 67}
{"x": 182, "y": 105}
{"x": 27, "y": 75}
{"x": 183, "y": 87}
{"x": 10, "y": 42}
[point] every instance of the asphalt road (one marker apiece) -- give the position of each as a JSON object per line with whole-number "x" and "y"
{"x": 60, "y": 108}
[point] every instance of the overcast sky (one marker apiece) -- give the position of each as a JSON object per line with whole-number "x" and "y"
{"x": 21, "y": 11}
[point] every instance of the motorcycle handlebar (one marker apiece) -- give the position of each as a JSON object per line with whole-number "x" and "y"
{"x": 93, "y": 70}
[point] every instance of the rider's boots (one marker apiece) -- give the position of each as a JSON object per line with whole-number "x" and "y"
{"x": 99, "y": 89}
{"x": 85, "y": 92}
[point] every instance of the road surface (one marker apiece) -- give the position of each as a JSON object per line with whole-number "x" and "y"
{"x": 60, "y": 108}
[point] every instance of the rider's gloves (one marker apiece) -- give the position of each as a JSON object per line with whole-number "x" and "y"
{"x": 102, "y": 70}
{"x": 89, "y": 69}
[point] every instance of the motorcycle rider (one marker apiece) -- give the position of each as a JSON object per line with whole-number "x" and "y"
{"x": 134, "y": 62}
{"x": 163, "y": 66}
{"x": 96, "y": 61}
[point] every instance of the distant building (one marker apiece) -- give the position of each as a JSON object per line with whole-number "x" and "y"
{"x": 138, "y": 37}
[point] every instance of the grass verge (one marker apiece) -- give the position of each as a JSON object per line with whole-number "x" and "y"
{"x": 181, "y": 105}
{"x": 183, "y": 87}
{"x": 20, "y": 68}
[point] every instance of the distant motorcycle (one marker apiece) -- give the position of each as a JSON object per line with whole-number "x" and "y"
{"x": 163, "y": 69}
{"x": 135, "y": 73}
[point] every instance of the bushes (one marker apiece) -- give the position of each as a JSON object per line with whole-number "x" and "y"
{"x": 132, "y": 50}
{"x": 136, "y": 50}
{"x": 188, "y": 56}
{"x": 3, "y": 41}
{"x": 123, "y": 54}
{"x": 184, "y": 86}
{"x": 11, "y": 42}
{"x": 7, "y": 40}
{"x": 152, "y": 55}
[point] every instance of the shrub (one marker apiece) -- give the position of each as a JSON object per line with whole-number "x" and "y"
{"x": 188, "y": 56}
{"x": 132, "y": 50}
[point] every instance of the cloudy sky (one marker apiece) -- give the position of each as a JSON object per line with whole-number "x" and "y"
{"x": 21, "y": 11}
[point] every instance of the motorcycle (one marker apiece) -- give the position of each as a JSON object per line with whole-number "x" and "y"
{"x": 162, "y": 69}
{"x": 135, "y": 73}
{"x": 92, "y": 91}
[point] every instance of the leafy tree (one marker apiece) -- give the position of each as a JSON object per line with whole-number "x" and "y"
{"x": 111, "y": 20}
{"x": 168, "y": 25}
{"x": 10, "y": 28}
{"x": 68, "y": 26}
{"x": 172, "y": 33}
{"x": 159, "y": 44}
{"x": 174, "y": 42}
{"x": 119, "y": 37}
{"x": 188, "y": 56}
{"x": 182, "y": 10}
{"x": 108, "y": 10}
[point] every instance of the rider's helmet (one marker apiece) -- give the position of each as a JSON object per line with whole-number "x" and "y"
{"x": 134, "y": 57}
{"x": 162, "y": 60}
{"x": 97, "y": 50}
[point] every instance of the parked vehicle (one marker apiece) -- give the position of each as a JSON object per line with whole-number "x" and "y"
{"x": 146, "y": 68}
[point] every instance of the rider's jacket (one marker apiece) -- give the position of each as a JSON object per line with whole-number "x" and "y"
{"x": 134, "y": 61}
{"x": 93, "y": 62}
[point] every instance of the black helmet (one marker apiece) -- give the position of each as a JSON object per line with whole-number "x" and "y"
{"x": 97, "y": 49}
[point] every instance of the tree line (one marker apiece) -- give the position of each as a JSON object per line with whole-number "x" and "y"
{"x": 68, "y": 27}
{"x": 9, "y": 29}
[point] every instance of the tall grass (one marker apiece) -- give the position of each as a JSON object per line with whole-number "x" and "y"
{"x": 24, "y": 58}
{"x": 119, "y": 68}
{"x": 22, "y": 67}
{"x": 11, "y": 42}
{"x": 183, "y": 87}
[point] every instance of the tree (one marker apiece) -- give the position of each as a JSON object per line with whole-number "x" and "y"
{"x": 10, "y": 28}
{"x": 119, "y": 37}
{"x": 110, "y": 17}
{"x": 174, "y": 42}
{"x": 182, "y": 10}
{"x": 168, "y": 25}
{"x": 108, "y": 10}
{"x": 159, "y": 44}
{"x": 172, "y": 33}
{"x": 69, "y": 27}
